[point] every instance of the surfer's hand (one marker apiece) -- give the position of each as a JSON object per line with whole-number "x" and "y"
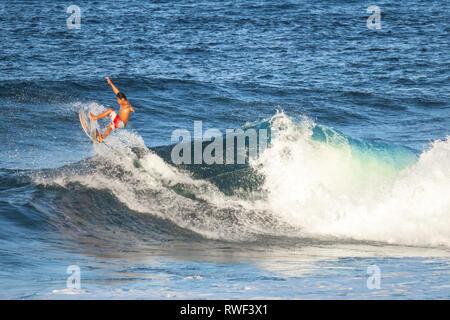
{"x": 108, "y": 79}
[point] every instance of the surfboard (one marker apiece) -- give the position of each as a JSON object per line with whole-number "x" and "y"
{"x": 88, "y": 127}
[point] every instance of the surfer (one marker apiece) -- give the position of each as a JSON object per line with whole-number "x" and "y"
{"x": 117, "y": 121}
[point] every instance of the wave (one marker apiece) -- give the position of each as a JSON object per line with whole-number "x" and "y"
{"x": 312, "y": 182}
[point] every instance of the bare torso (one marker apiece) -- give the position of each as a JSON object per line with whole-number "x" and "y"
{"x": 124, "y": 113}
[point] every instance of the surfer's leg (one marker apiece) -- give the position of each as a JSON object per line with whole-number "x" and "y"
{"x": 107, "y": 132}
{"x": 101, "y": 115}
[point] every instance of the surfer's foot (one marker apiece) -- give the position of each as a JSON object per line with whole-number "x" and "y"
{"x": 99, "y": 137}
{"x": 93, "y": 118}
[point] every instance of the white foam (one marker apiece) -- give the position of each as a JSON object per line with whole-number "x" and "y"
{"x": 328, "y": 190}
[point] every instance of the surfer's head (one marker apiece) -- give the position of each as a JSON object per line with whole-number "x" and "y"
{"x": 121, "y": 97}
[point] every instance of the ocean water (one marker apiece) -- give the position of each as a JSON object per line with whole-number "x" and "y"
{"x": 350, "y": 199}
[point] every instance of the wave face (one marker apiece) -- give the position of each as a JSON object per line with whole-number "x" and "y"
{"x": 312, "y": 182}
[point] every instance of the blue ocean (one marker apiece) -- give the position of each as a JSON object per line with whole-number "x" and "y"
{"x": 349, "y": 199}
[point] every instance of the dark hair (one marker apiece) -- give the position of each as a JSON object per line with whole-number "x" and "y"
{"x": 121, "y": 95}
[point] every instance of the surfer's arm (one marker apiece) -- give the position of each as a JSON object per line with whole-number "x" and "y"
{"x": 116, "y": 91}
